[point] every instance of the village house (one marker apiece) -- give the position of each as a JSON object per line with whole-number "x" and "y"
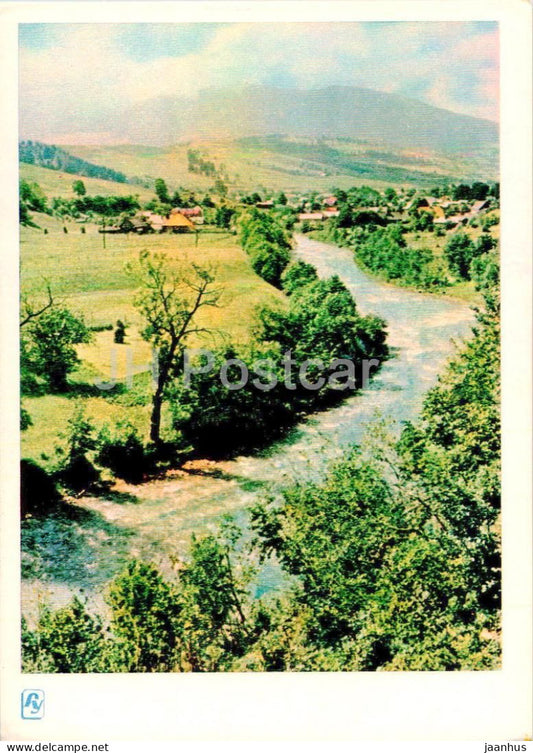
{"x": 177, "y": 223}
{"x": 137, "y": 224}
{"x": 154, "y": 220}
{"x": 310, "y": 216}
{"x": 195, "y": 214}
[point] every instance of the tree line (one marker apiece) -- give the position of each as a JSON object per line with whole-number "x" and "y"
{"x": 55, "y": 158}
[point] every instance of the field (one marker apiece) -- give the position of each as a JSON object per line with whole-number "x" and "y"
{"x": 56, "y": 183}
{"x": 272, "y": 164}
{"x": 92, "y": 281}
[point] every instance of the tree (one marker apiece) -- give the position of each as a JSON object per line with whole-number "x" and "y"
{"x": 169, "y": 304}
{"x": 79, "y": 188}
{"x": 220, "y": 188}
{"x": 75, "y": 470}
{"x": 120, "y": 332}
{"x": 459, "y": 252}
{"x": 162, "y": 191}
{"x": 47, "y": 350}
{"x": 224, "y": 216}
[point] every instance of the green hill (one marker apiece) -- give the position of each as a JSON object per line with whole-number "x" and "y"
{"x": 57, "y": 183}
{"x": 294, "y": 164}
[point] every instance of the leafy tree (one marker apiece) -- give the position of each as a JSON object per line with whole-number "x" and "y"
{"x": 79, "y": 188}
{"x": 120, "y": 332}
{"x": 297, "y": 274}
{"x": 176, "y": 199}
{"x": 33, "y": 196}
{"x": 38, "y": 491}
{"x": 144, "y": 618}
{"x": 459, "y": 252}
{"x": 123, "y": 453}
{"x": 47, "y": 346}
{"x": 74, "y": 468}
{"x": 169, "y": 304}
{"x": 161, "y": 191}
{"x": 266, "y": 242}
{"x": 224, "y": 216}
{"x": 220, "y": 188}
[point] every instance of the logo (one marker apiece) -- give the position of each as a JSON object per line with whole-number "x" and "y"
{"x": 32, "y": 704}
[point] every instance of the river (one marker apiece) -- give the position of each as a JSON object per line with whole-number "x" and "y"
{"x": 155, "y": 521}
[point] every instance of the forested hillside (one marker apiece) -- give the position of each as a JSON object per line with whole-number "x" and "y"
{"x": 47, "y": 155}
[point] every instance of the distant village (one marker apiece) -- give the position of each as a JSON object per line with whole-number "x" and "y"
{"x": 444, "y": 211}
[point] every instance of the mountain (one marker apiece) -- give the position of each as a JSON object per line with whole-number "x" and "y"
{"x": 332, "y": 112}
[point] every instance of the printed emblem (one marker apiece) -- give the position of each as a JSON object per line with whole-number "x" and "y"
{"x": 32, "y": 704}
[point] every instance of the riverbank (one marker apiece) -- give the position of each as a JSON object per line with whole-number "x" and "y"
{"x": 154, "y": 521}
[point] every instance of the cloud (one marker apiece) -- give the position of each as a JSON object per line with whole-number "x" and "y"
{"x": 78, "y": 78}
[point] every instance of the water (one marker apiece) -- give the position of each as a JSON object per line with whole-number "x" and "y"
{"x": 421, "y": 332}
{"x": 421, "y": 328}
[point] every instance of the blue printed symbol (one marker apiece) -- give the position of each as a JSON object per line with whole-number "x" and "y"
{"x": 32, "y": 704}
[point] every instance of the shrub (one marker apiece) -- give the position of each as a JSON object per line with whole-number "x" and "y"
{"x": 124, "y": 454}
{"x": 74, "y": 469}
{"x": 120, "y": 332}
{"x": 38, "y": 492}
{"x": 67, "y": 640}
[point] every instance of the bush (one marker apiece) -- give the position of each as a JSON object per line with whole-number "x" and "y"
{"x": 297, "y": 274}
{"x": 38, "y": 492}
{"x": 124, "y": 454}
{"x": 74, "y": 469}
{"x": 67, "y": 640}
{"x": 120, "y": 332}
{"x": 265, "y": 240}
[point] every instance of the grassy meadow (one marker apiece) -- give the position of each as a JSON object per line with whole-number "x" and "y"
{"x": 288, "y": 164}
{"x": 56, "y": 183}
{"x": 92, "y": 281}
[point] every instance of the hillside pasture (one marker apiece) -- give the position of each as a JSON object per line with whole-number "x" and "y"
{"x": 58, "y": 184}
{"x": 269, "y": 164}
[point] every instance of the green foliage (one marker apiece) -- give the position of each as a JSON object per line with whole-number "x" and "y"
{"x": 216, "y": 421}
{"x": 161, "y": 191}
{"x": 384, "y": 252}
{"x": 54, "y": 158}
{"x": 74, "y": 468}
{"x": 224, "y": 216}
{"x": 460, "y": 250}
{"x": 120, "y": 332}
{"x": 31, "y": 198}
{"x": 144, "y": 619}
{"x": 169, "y": 304}
{"x": 123, "y": 453}
{"x": 393, "y": 560}
{"x": 38, "y": 492}
{"x": 47, "y": 352}
{"x": 266, "y": 242}
{"x": 79, "y": 188}
{"x": 67, "y": 640}
{"x": 322, "y": 323}
{"x": 297, "y": 274}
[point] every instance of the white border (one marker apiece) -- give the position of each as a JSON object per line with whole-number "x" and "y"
{"x": 350, "y": 706}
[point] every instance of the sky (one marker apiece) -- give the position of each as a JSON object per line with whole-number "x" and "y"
{"x": 78, "y": 81}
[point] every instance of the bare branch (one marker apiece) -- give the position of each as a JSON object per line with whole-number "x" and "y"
{"x": 33, "y": 314}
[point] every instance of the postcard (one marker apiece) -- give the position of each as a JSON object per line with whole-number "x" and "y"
{"x": 266, "y": 385}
